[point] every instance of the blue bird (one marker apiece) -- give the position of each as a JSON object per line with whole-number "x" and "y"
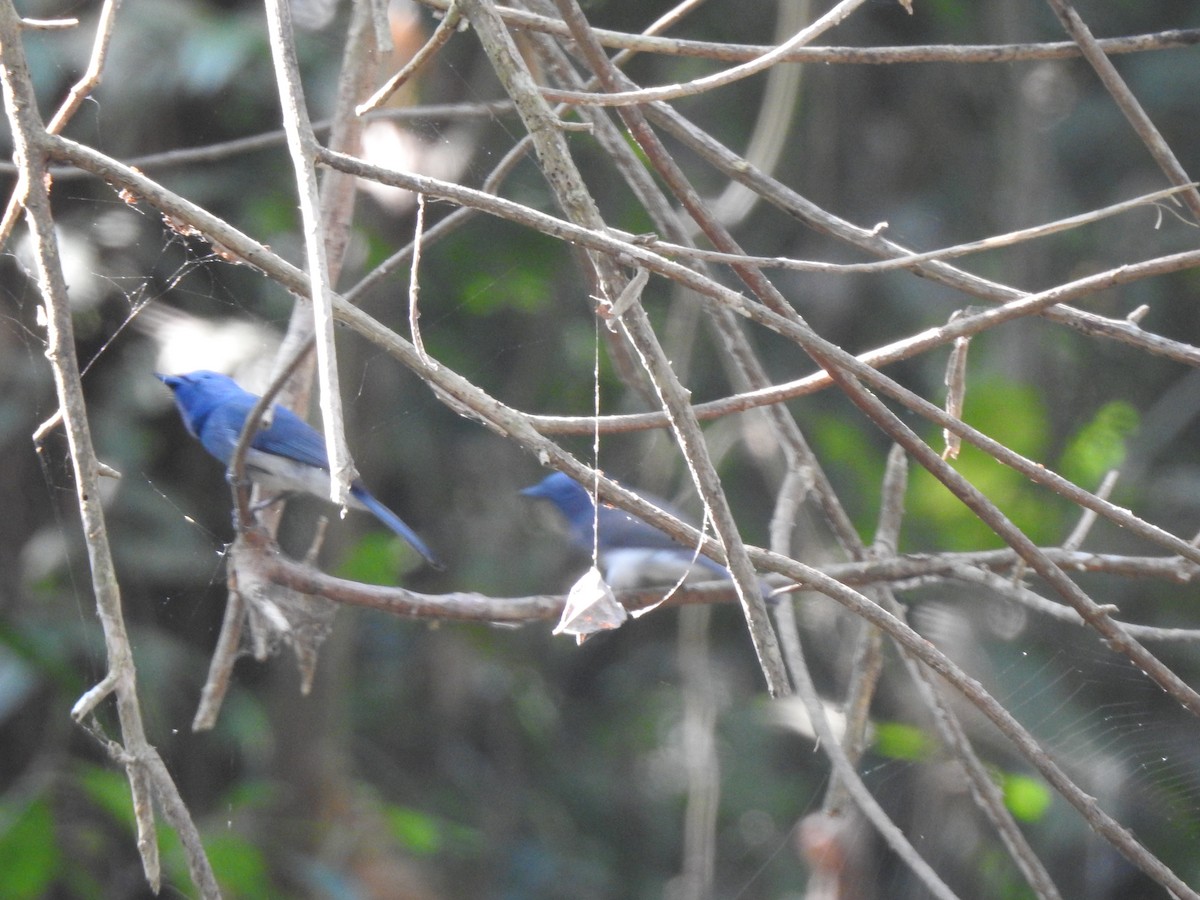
{"x": 288, "y": 456}
{"x": 633, "y": 551}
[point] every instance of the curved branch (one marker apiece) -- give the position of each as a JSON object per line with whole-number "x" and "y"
{"x": 1177, "y": 38}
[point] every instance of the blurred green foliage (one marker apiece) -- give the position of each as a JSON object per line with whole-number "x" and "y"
{"x": 1026, "y": 798}
{"x": 897, "y": 740}
{"x": 29, "y": 854}
{"x": 1100, "y": 445}
{"x": 1014, "y": 414}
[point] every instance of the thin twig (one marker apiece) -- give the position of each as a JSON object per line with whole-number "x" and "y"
{"x": 440, "y": 37}
{"x": 792, "y": 203}
{"x": 1126, "y": 102}
{"x": 49, "y": 24}
{"x": 87, "y": 83}
{"x": 698, "y": 736}
{"x": 220, "y": 665}
{"x": 838, "y": 14}
{"x": 1080, "y": 532}
{"x": 223, "y": 150}
{"x": 868, "y": 649}
{"x": 789, "y": 497}
{"x": 844, "y": 771}
{"x": 303, "y": 145}
{"x": 912, "y": 260}
{"x": 891, "y": 504}
{"x": 339, "y": 191}
{"x": 926, "y": 53}
{"x": 956, "y": 393}
{"x": 414, "y": 280}
{"x": 919, "y": 565}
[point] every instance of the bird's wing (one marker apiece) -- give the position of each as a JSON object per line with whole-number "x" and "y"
{"x": 220, "y": 428}
{"x": 288, "y": 436}
{"x": 621, "y": 529}
{"x": 291, "y": 436}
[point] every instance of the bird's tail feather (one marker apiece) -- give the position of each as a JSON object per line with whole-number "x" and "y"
{"x": 396, "y": 524}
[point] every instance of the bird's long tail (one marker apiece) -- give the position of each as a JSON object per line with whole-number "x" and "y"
{"x": 394, "y": 522}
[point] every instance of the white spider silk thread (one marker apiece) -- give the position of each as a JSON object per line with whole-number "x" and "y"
{"x": 596, "y": 442}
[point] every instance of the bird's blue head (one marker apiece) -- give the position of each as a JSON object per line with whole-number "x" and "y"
{"x": 571, "y": 498}
{"x": 198, "y": 393}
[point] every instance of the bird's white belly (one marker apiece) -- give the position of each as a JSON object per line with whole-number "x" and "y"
{"x": 278, "y": 475}
{"x": 630, "y": 568}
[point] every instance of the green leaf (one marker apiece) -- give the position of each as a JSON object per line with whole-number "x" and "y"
{"x": 1014, "y": 415}
{"x": 29, "y": 854}
{"x": 858, "y": 462}
{"x": 239, "y": 866}
{"x": 898, "y": 741}
{"x": 1100, "y": 445}
{"x": 109, "y": 790}
{"x": 417, "y": 832}
{"x": 379, "y": 558}
{"x": 846, "y": 441}
{"x": 1026, "y": 798}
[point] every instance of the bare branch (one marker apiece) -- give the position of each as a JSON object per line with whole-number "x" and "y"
{"x": 49, "y": 24}
{"x": 1126, "y": 101}
{"x": 911, "y": 260}
{"x": 220, "y": 666}
{"x": 788, "y": 200}
{"x": 303, "y": 145}
{"x": 848, "y": 777}
{"x": 956, "y": 393}
{"x": 414, "y": 281}
{"x": 833, "y": 17}
{"x": 441, "y": 36}
{"x": 1076, "y": 538}
{"x": 952, "y": 53}
{"x": 79, "y": 92}
{"x": 30, "y": 155}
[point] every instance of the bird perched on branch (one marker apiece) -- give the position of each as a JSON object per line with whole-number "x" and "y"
{"x": 633, "y": 551}
{"x": 287, "y": 456}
